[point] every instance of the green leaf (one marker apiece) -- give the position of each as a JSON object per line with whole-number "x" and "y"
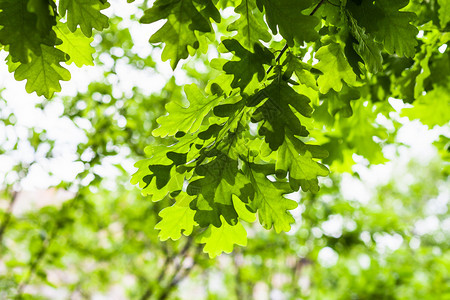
{"x": 22, "y": 32}
{"x": 76, "y": 45}
{"x": 176, "y": 219}
{"x": 423, "y": 70}
{"x": 276, "y": 114}
{"x": 44, "y": 72}
{"x": 416, "y": 79}
{"x": 431, "y": 109}
{"x": 242, "y": 209}
{"x": 339, "y": 103}
{"x": 353, "y": 58}
{"x": 367, "y": 47}
{"x": 335, "y": 68}
{"x": 250, "y": 27}
{"x": 220, "y": 180}
{"x": 250, "y": 63}
{"x": 273, "y": 208}
{"x": 84, "y": 13}
{"x": 390, "y": 26}
{"x": 178, "y": 33}
{"x": 45, "y": 12}
{"x": 210, "y": 10}
{"x": 361, "y": 141}
{"x": 162, "y": 180}
{"x": 292, "y": 24}
{"x": 161, "y": 155}
{"x": 302, "y": 71}
{"x": 444, "y": 12}
{"x": 296, "y": 158}
{"x": 187, "y": 119}
{"x": 222, "y": 239}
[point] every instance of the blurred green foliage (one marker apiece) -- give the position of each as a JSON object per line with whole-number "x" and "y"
{"x": 101, "y": 241}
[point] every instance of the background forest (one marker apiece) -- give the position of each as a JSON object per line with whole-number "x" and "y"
{"x": 72, "y": 226}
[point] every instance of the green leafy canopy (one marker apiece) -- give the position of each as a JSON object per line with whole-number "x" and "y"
{"x": 296, "y": 90}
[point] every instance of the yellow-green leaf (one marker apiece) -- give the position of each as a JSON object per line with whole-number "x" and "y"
{"x": 76, "y": 45}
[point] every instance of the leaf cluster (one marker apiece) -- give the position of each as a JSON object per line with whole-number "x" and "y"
{"x": 275, "y": 117}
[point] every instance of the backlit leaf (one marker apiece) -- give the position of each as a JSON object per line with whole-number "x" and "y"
{"x": 76, "y": 45}
{"x": 286, "y": 17}
{"x": 186, "y": 119}
{"x": 44, "y": 72}
{"x": 176, "y": 219}
{"x": 273, "y": 208}
{"x": 84, "y": 13}
{"x": 250, "y": 27}
{"x": 223, "y": 238}
{"x": 335, "y": 68}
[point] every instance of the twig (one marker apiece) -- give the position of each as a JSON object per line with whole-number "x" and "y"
{"x": 238, "y": 284}
{"x": 149, "y": 292}
{"x": 35, "y": 263}
{"x": 176, "y": 279}
{"x": 45, "y": 246}
{"x": 8, "y": 215}
{"x": 278, "y": 57}
{"x": 286, "y": 45}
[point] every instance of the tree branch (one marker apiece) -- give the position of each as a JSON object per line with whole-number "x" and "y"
{"x": 179, "y": 275}
{"x": 149, "y": 291}
{"x": 8, "y": 214}
{"x": 46, "y": 243}
{"x": 34, "y": 264}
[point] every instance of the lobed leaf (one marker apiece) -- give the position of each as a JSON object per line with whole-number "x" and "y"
{"x": 367, "y": 48}
{"x": 188, "y": 119}
{"x": 221, "y": 179}
{"x": 24, "y": 31}
{"x": 76, "y": 45}
{"x": 431, "y": 109}
{"x": 302, "y": 71}
{"x": 296, "y": 158}
{"x": 276, "y": 114}
{"x": 250, "y": 27}
{"x": 176, "y": 219}
{"x": 178, "y": 33}
{"x": 390, "y": 26}
{"x": 250, "y": 63}
{"x": 223, "y": 238}
{"x": 335, "y": 68}
{"x": 273, "y": 208}
{"x": 84, "y": 13}
{"x": 43, "y": 72}
{"x": 286, "y": 16}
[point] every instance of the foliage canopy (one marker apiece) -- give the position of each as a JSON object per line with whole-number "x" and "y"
{"x": 275, "y": 116}
{"x": 278, "y": 96}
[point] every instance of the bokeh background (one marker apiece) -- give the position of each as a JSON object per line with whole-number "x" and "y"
{"x": 73, "y": 227}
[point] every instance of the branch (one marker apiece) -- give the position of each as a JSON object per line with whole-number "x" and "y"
{"x": 34, "y": 264}
{"x": 8, "y": 214}
{"x": 53, "y": 233}
{"x": 168, "y": 260}
{"x": 286, "y": 45}
{"x": 179, "y": 275}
